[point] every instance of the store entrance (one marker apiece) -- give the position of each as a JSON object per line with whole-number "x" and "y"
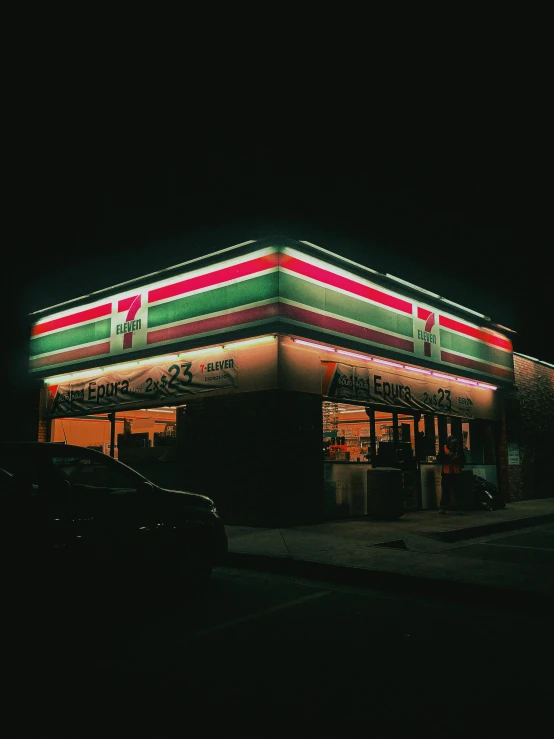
{"x": 397, "y": 440}
{"x": 358, "y": 437}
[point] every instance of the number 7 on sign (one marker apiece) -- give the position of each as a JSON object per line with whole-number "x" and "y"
{"x": 131, "y": 305}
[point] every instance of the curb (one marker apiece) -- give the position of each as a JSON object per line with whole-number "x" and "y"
{"x": 473, "y": 532}
{"x": 385, "y": 580}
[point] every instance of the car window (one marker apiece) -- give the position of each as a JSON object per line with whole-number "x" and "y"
{"x": 43, "y": 472}
{"x": 84, "y": 471}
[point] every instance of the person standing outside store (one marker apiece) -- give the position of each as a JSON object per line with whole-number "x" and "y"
{"x": 453, "y": 461}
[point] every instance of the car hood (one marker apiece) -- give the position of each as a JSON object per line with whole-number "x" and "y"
{"x": 194, "y": 500}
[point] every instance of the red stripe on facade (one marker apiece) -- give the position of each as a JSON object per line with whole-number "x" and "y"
{"x": 474, "y": 364}
{"x": 344, "y": 327}
{"x": 85, "y": 315}
{"x": 423, "y": 313}
{"x": 230, "y": 320}
{"x": 126, "y": 304}
{"x": 475, "y": 333}
{"x": 73, "y": 355}
{"x": 344, "y": 283}
{"x": 212, "y": 279}
{"x": 273, "y": 310}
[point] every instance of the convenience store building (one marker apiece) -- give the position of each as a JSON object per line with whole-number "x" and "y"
{"x": 273, "y": 375}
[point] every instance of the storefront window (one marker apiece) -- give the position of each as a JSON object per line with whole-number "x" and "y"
{"x": 143, "y": 433}
{"x": 345, "y": 432}
{"x": 346, "y": 435}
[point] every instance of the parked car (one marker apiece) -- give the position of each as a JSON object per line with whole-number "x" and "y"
{"x": 70, "y": 510}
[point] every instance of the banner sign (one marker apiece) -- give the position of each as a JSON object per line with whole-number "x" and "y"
{"x": 426, "y": 394}
{"x": 164, "y": 382}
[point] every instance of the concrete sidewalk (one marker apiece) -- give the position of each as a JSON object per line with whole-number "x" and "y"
{"x": 415, "y": 552}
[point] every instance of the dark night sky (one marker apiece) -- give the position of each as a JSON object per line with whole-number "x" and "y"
{"x": 464, "y": 216}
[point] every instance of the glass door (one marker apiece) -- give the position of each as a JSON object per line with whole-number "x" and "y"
{"x": 397, "y": 441}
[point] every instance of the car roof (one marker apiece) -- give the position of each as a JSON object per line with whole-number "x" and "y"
{"x": 48, "y": 447}
{"x": 39, "y": 445}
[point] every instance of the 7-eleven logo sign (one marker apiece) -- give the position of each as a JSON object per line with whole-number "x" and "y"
{"x": 129, "y": 324}
{"x": 425, "y": 333}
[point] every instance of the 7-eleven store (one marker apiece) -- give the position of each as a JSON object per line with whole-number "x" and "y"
{"x": 272, "y": 376}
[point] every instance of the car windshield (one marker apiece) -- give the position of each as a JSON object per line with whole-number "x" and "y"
{"x": 40, "y": 469}
{"x": 82, "y": 470}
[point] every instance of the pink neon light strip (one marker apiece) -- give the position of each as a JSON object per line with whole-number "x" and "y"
{"x": 100, "y": 311}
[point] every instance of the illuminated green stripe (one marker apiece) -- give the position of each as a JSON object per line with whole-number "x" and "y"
{"x": 224, "y": 298}
{"x": 477, "y": 349}
{"x": 343, "y": 306}
{"x": 72, "y": 337}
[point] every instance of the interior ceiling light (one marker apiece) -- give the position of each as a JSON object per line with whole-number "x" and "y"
{"x": 156, "y": 410}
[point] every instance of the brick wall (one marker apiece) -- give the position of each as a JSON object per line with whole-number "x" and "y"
{"x": 529, "y": 422}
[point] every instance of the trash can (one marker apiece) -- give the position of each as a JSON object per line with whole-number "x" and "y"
{"x": 385, "y": 493}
